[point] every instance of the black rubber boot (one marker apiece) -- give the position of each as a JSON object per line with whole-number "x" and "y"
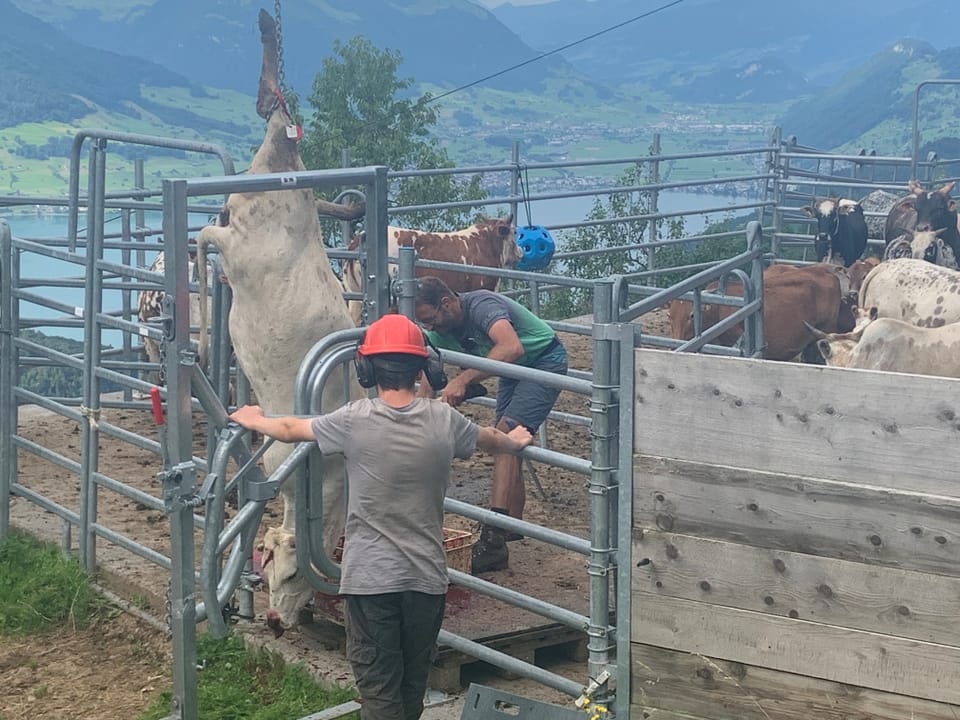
{"x": 490, "y": 552}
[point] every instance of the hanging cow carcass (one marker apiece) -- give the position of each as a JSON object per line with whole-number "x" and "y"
{"x": 286, "y": 297}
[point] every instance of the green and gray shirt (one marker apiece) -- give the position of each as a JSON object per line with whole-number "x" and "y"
{"x": 481, "y": 309}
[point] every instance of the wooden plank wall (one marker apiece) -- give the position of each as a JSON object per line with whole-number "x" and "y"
{"x": 796, "y": 541}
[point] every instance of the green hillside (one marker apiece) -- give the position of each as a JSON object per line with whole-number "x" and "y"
{"x": 872, "y": 106}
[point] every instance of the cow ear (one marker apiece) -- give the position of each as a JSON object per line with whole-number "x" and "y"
{"x": 809, "y": 210}
{"x": 952, "y": 205}
{"x": 824, "y": 347}
{"x": 291, "y": 541}
{"x": 915, "y": 188}
{"x": 873, "y": 312}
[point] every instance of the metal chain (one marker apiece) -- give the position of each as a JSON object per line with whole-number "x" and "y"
{"x": 162, "y": 373}
{"x": 280, "y": 78}
{"x": 168, "y": 607}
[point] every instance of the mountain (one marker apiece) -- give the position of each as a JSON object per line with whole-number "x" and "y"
{"x": 880, "y": 93}
{"x": 216, "y": 42}
{"x": 63, "y": 77}
{"x": 819, "y": 39}
{"x": 764, "y": 80}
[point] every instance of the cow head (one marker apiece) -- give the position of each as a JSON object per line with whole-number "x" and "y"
{"x": 935, "y": 208}
{"x": 503, "y": 230}
{"x": 289, "y": 590}
{"x": 828, "y": 214}
{"x": 837, "y": 348}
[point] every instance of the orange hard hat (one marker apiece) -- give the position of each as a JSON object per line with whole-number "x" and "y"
{"x": 393, "y": 334}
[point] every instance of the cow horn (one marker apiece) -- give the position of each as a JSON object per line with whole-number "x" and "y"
{"x": 816, "y": 332}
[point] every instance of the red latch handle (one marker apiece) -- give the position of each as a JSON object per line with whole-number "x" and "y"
{"x": 157, "y": 408}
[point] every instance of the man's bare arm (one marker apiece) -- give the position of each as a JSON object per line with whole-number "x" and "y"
{"x": 493, "y": 441}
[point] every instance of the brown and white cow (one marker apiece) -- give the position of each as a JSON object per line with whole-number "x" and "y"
{"x": 792, "y": 296}
{"x": 487, "y": 243}
{"x": 286, "y": 297}
{"x": 914, "y": 291}
{"x": 895, "y": 346}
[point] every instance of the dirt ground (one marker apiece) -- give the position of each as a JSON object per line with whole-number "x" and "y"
{"x": 76, "y": 673}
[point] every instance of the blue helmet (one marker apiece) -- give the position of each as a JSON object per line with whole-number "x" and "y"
{"x": 537, "y": 246}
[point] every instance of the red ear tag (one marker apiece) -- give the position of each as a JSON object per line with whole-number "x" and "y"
{"x": 294, "y": 132}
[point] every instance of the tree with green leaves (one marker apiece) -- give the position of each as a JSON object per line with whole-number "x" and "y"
{"x": 609, "y": 237}
{"x": 360, "y": 105}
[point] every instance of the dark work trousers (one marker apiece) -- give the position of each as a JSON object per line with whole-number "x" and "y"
{"x": 391, "y": 640}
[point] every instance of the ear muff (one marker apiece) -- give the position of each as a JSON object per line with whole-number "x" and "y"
{"x": 366, "y": 375}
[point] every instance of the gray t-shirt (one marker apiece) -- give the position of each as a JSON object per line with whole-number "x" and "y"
{"x": 398, "y": 466}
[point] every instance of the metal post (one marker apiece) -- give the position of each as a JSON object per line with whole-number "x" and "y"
{"x": 515, "y": 180}
{"x": 93, "y": 296}
{"x": 755, "y": 321}
{"x": 914, "y": 156}
{"x": 139, "y": 215}
{"x": 406, "y": 263}
{"x": 603, "y": 455}
{"x": 179, "y": 481}
{"x": 653, "y": 170}
{"x": 375, "y": 231}
{"x": 346, "y": 227}
{"x": 8, "y": 411}
{"x": 125, "y": 299}
{"x": 778, "y": 183}
{"x": 625, "y": 482}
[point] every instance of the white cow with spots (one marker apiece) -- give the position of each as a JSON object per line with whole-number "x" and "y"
{"x": 915, "y": 291}
{"x": 895, "y": 346}
{"x": 285, "y": 298}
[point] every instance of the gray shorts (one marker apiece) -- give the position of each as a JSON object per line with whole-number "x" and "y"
{"x": 528, "y": 402}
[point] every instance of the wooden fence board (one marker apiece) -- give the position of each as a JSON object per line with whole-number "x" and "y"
{"x": 921, "y": 606}
{"x": 854, "y": 657}
{"x": 668, "y": 685}
{"x": 883, "y": 429}
{"x": 834, "y": 519}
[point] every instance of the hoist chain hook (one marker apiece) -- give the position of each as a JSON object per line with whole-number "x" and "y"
{"x": 280, "y": 76}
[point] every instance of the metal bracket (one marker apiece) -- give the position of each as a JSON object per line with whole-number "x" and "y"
{"x": 166, "y": 319}
{"x": 177, "y": 483}
{"x": 484, "y": 703}
{"x": 607, "y": 331}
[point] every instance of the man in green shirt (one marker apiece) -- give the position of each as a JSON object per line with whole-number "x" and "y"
{"x": 490, "y": 325}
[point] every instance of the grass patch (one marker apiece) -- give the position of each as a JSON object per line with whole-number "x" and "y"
{"x": 240, "y": 683}
{"x": 41, "y": 588}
